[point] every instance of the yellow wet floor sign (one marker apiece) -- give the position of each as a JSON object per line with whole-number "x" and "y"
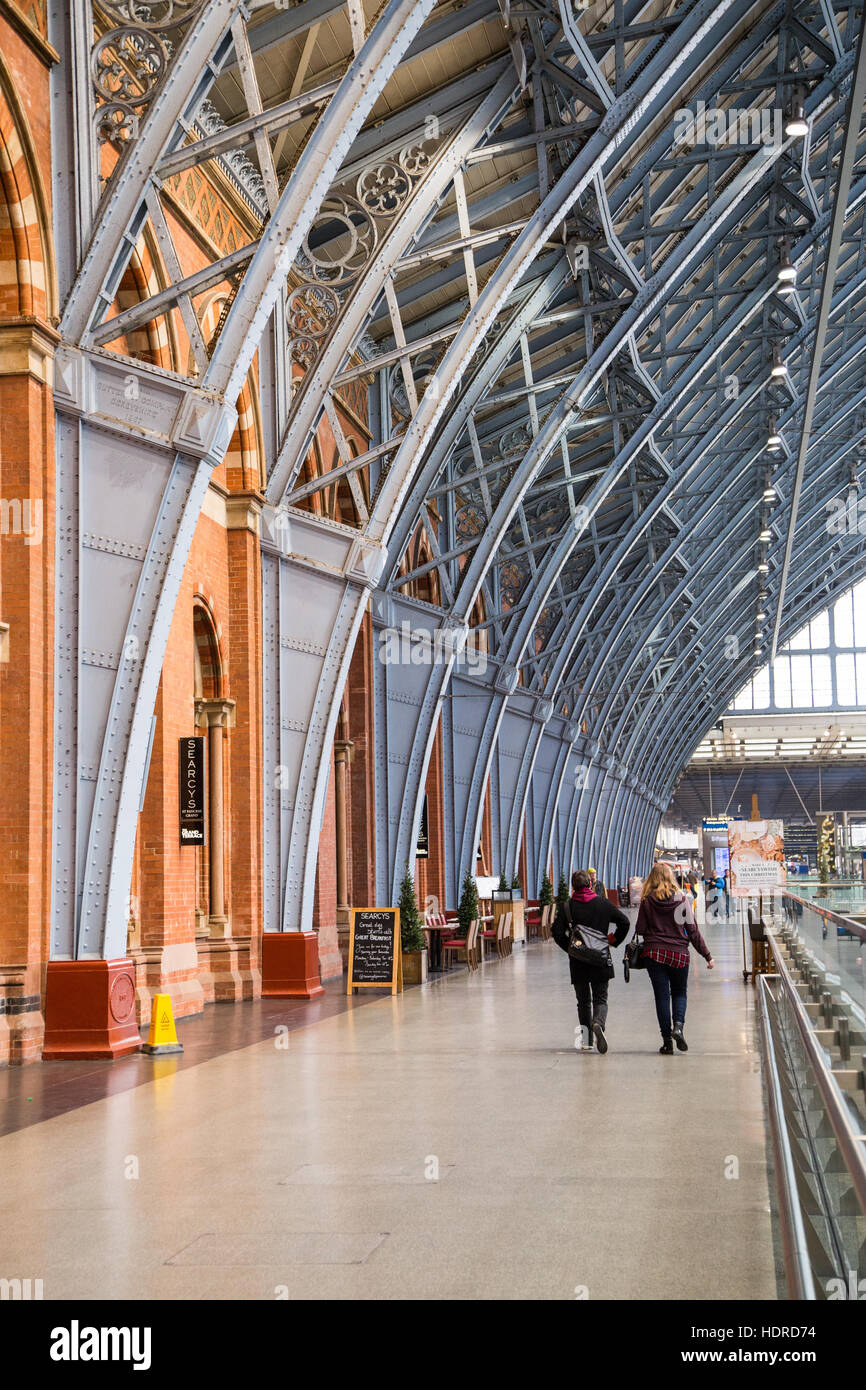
{"x": 162, "y": 1037}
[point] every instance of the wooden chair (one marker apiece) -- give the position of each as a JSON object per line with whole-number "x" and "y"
{"x": 533, "y": 920}
{"x": 490, "y": 937}
{"x": 546, "y": 921}
{"x": 468, "y": 945}
{"x": 507, "y": 939}
{"x": 500, "y": 935}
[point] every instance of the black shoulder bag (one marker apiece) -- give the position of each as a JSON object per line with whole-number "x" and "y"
{"x": 633, "y": 957}
{"x": 588, "y": 946}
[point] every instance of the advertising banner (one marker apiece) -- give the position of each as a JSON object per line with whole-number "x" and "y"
{"x": 190, "y": 760}
{"x": 422, "y": 849}
{"x": 757, "y": 857}
{"x": 714, "y": 845}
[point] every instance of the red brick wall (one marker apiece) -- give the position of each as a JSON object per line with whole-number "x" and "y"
{"x": 223, "y": 572}
{"x": 430, "y": 872}
{"x": 359, "y": 702}
{"x": 27, "y": 302}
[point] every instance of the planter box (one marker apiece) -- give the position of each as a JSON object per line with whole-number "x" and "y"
{"x": 414, "y": 967}
{"x": 504, "y": 902}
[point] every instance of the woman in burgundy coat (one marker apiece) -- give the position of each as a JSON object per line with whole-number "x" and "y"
{"x": 667, "y": 924}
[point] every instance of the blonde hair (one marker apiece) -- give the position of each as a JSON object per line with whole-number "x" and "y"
{"x": 660, "y": 882}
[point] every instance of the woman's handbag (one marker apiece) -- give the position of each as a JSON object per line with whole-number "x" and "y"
{"x": 633, "y": 957}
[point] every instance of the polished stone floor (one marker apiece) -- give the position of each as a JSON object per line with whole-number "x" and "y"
{"x": 445, "y": 1143}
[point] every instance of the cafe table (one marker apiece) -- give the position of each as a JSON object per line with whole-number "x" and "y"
{"x": 435, "y": 932}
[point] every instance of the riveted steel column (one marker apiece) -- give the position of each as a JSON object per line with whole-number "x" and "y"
{"x": 318, "y": 576}
{"x": 136, "y": 449}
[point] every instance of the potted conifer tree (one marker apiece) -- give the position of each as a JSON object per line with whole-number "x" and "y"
{"x": 546, "y": 899}
{"x": 545, "y": 896}
{"x": 467, "y": 912}
{"x": 412, "y": 940}
{"x": 562, "y": 892}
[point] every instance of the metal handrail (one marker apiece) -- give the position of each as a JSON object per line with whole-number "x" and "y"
{"x": 798, "y": 1268}
{"x": 851, "y": 1144}
{"x": 855, "y": 928}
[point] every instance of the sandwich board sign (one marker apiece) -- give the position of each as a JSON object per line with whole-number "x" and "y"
{"x": 375, "y": 958}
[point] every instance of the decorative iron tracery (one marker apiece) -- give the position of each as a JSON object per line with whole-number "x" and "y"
{"x": 129, "y": 62}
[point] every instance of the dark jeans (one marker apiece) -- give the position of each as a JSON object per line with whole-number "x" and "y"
{"x": 670, "y": 987}
{"x": 590, "y": 988}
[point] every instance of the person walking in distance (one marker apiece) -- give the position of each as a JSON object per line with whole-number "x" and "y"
{"x": 667, "y": 924}
{"x": 605, "y": 926}
{"x": 595, "y": 884}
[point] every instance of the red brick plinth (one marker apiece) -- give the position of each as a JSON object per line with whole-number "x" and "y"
{"x": 90, "y": 1010}
{"x": 290, "y": 965}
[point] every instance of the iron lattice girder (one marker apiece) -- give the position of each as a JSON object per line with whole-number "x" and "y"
{"x": 718, "y": 580}
{"x": 205, "y": 53}
{"x": 733, "y": 670}
{"x": 646, "y": 91}
{"x": 751, "y": 456}
{"x": 850, "y": 406}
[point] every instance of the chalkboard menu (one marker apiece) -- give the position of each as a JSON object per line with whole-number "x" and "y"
{"x": 375, "y": 960}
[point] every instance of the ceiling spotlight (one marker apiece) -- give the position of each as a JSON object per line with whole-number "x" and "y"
{"x": 757, "y": 651}
{"x": 796, "y": 125}
{"x": 763, "y": 567}
{"x": 762, "y": 617}
{"x": 769, "y": 493}
{"x": 786, "y": 271}
{"x": 766, "y": 534}
{"x": 779, "y": 368}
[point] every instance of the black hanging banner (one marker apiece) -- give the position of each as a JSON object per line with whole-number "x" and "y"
{"x": 191, "y": 785}
{"x": 422, "y": 849}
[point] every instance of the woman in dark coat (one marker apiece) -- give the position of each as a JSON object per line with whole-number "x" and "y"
{"x": 590, "y": 982}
